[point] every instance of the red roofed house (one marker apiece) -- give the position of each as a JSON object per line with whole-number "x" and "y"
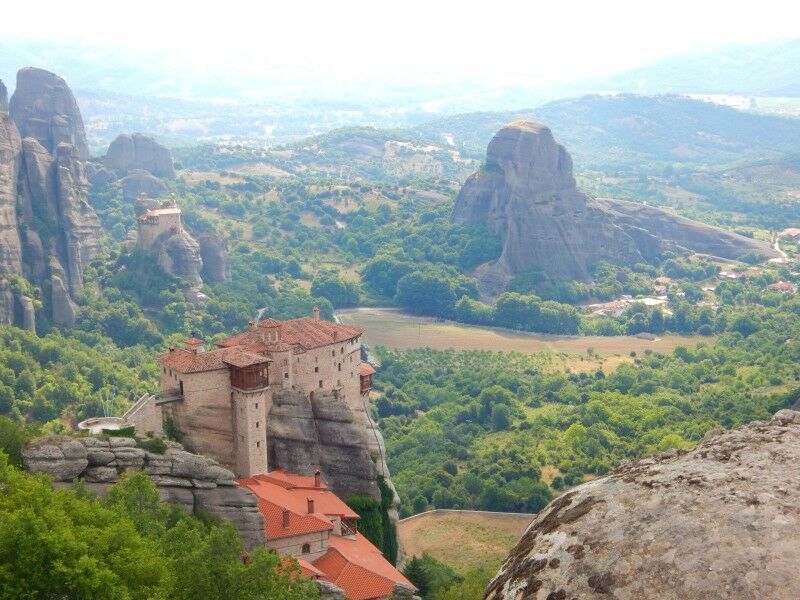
{"x": 306, "y": 520}
{"x": 220, "y": 399}
{"x": 784, "y": 287}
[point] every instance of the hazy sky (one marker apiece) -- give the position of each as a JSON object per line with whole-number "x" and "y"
{"x": 494, "y": 41}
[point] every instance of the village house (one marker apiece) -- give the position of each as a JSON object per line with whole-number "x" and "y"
{"x": 304, "y": 519}
{"x": 783, "y": 287}
{"x": 219, "y": 399}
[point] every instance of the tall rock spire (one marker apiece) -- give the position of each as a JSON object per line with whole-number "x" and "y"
{"x": 44, "y": 108}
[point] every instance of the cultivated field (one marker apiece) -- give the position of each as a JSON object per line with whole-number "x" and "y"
{"x": 463, "y": 540}
{"x": 395, "y": 329}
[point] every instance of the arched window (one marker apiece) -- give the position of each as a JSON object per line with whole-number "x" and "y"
{"x": 306, "y": 549}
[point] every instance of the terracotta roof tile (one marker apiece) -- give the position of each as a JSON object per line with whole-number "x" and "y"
{"x": 282, "y": 489}
{"x": 188, "y": 361}
{"x": 242, "y": 358}
{"x": 269, "y": 323}
{"x": 366, "y": 369}
{"x": 359, "y": 568}
{"x": 306, "y": 332}
{"x": 298, "y": 524}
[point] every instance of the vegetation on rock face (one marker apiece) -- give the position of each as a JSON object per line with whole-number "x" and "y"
{"x": 375, "y": 524}
{"x": 58, "y": 544}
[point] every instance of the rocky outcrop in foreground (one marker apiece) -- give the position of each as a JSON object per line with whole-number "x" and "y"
{"x": 718, "y": 521}
{"x": 189, "y": 480}
{"x": 527, "y": 193}
{"x": 136, "y": 151}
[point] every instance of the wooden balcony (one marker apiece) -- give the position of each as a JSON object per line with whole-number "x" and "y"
{"x": 250, "y": 378}
{"x": 366, "y": 384}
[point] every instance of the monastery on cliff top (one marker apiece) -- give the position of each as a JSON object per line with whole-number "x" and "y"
{"x": 219, "y": 400}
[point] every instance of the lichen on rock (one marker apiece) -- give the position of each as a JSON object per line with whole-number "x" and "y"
{"x": 717, "y": 521}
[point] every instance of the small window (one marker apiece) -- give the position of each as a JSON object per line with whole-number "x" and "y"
{"x": 316, "y": 369}
{"x": 320, "y": 383}
{"x": 241, "y": 410}
{"x": 306, "y": 549}
{"x": 256, "y": 424}
{"x": 286, "y": 375}
{"x": 340, "y": 366}
{"x": 256, "y": 404}
{"x": 333, "y": 352}
{"x": 342, "y": 350}
{"x": 285, "y": 362}
{"x": 258, "y": 444}
{"x": 165, "y": 370}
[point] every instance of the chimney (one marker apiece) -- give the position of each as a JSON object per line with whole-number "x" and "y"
{"x": 285, "y": 518}
{"x": 310, "y": 505}
{"x": 251, "y": 325}
{"x": 317, "y": 479}
{"x": 315, "y": 313}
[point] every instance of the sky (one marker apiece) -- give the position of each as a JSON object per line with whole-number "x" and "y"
{"x": 491, "y": 42}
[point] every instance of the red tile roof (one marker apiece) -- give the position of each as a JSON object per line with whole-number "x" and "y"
{"x": 282, "y": 489}
{"x": 306, "y": 332}
{"x": 188, "y": 361}
{"x": 367, "y": 369}
{"x": 359, "y": 568}
{"x": 299, "y": 524}
{"x": 242, "y": 358}
{"x": 309, "y": 570}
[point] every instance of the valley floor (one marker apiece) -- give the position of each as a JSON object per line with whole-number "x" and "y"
{"x": 463, "y": 539}
{"x": 395, "y": 329}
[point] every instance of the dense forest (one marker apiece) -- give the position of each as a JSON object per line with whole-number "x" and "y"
{"x": 504, "y": 431}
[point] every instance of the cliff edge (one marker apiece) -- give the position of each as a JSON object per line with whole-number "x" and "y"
{"x": 718, "y": 521}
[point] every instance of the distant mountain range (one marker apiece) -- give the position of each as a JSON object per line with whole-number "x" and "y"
{"x": 119, "y": 93}
{"x": 634, "y": 130}
{"x": 765, "y": 69}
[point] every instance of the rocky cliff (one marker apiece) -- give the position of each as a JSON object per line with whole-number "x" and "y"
{"x": 719, "y": 521}
{"x": 325, "y": 434}
{"x": 178, "y": 253}
{"x": 136, "y": 151}
{"x": 138, "y": 182}
{"x": 3, "y": 97}
{"x": 10, "y": 156}
{"x": 48, "y": 231}
{"x": 189, "y": 480}
{"x": 214, "y": 252}
{"x": 526, "y": 192}
{"x": 44, "y": 108}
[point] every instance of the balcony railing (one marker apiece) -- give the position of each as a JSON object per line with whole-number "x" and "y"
{"x": 249, "y": 378}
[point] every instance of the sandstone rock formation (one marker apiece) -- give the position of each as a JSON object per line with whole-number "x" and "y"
{"x": 44, "y": 108}
{"x": 323, "y": 434}
{"x": 43, "y": 189}
{"x": 214, "y": 252}
{"x": 128, "y": 152}
{"x": 179, "y": 254}
{"x": 718, "y": 521}
{"x": 138, "y": 182}
{"x": 10, "y": 156}
{"x": 527, "y": 193}
{"x": 192, "y": 481}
